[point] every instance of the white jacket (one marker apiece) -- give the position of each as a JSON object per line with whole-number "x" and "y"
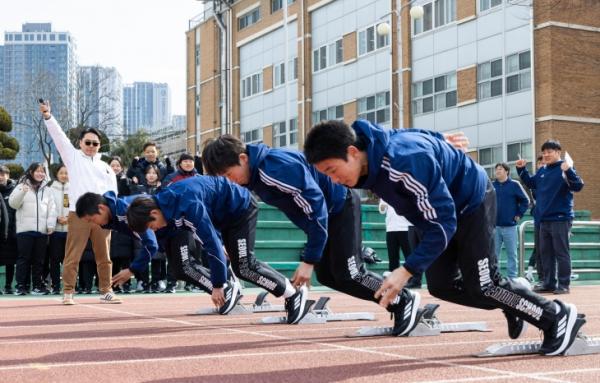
{"x": 35, "y": 211}
{"x": 393, "y": 221}
{"x": 61, "y": 198}
{"x": 86, "y": 174}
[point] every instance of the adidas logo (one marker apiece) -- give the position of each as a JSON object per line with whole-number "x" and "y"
{"x": 407, "y": 310}
{"x": 297, "y": 303}
{"x": 562, "y": 326}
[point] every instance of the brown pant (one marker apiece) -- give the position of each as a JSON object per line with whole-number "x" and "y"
{"x": 77, "y": 236}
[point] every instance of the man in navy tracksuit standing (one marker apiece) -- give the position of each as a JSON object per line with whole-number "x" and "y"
{"x": 328, "y": 213}
{"x": 554, "y": 185}
{"x": 108, "y": 212}
{"x": 211, "y": 208}
{"x": 511, "y": 203}
{"x": 445, "y": 194}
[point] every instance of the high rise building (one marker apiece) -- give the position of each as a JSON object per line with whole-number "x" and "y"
{"x": 147, "y": 106}
{"x": 1, "y": 75}
{"x": 100, "y": 99}
{"x": 38, "y": 63}
{"x": 510, "y": 74}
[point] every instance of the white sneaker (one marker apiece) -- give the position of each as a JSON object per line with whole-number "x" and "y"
{"x": 110, "y": 298}
{"x": 68, "y": 299}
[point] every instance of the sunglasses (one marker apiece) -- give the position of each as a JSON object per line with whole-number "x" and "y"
{"x": 91, "y": 143}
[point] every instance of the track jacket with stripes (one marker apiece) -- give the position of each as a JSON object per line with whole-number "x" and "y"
{"x": 283, "y": 178}
{"x": 118, "y": 211}
{"x": 205, "y": 205}
{"x": 424, "y": 179}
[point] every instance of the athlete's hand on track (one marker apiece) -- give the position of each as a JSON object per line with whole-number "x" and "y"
{"x": 121, "y": 277}
{"x": 218, "y": 297}
{"x": 302, "y": 275}
{"x": 392, "y": 286}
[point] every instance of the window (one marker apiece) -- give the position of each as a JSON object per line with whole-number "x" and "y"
{"x": 252, "y": 136}
{"x": 489, "y": 157}
{"x": 52, "y": 37}
{"x": 516, "y": 151}
{"x": 434, "y": 94}
{"x": 425, "y": 23}
{"x": 518, "y": 72}
{"x": 484, "y": 5}
{"x": 197, "y": 54}
{"x": 331, "y": 113}
{"x": 327, "y": 55}
{"x": 252, "y": 85}
{"x": 369, "y": 40}
{"x": 249, "y": 18}
{"x": 489, "y": 78}
{"x": 62, "y": 37}
{"x": 445, "y": 12}
{"x": 375, "y": 108}
{"x": 18, "y": 37}
{"x": 293, "y": 73}
{"x": 280, "y": 136}
{"x": 278, "y": 74}
{"x": 278, "y": 4}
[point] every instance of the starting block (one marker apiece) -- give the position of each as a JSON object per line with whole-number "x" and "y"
{"x": 428, "y": 324}
{"x": 582, "y": 345}
{"x": 260, "y": 305}
{"x": 319, "y": 313}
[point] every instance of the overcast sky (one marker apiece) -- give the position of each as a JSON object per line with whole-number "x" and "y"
{"x": 143, "y": 39}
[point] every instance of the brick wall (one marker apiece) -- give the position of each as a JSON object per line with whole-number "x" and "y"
{"x": 466, "y": 82}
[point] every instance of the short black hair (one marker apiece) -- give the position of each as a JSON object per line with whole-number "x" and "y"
{"x": 149, "y": 144}
{"x": 504, "y": 165}
{"x": 551, "y": 145}
{"x": 221, "y": 153}
{"x": 138, "y": 213}
{"x": 4, "y": 169}
{"x": 328, "y": 139}
{"x": 90, "y": 130}
{"x": 88, "y": 203}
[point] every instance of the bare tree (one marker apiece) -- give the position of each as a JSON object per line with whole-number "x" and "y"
{"x": 98, "y": 98}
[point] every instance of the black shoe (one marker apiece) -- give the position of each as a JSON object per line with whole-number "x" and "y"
{"x": 87, "y": 291}
{"x": 21, "y": 291}
{"x": 541, "y": 289}
{"x": 40, "y": 291}
{"x": 405, "y": 315}
{"x": 56, "y": 291}
{"x": 516, "y": 325}
{"x": 562, "y": 290}
{"x": 8, "y": 290}
{"x": 232, "y": 296}
{"x": 563, "y": 332}
{"x": 170, "y": 288}
{"x": 296, "y": 305}
{"x": 154, "y": 287}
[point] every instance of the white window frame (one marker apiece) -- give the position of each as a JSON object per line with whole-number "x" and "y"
{"x": 419, "y": 25}
{"x": 253, "y": 136}
{"x": 495, "y": 157}
{"x": 376, "y": 109}
{"x": 444, "y": 12}
{"x": 485, "y": 5}
{"x": 520, "y": 71}
{"x": 328, "y": 55}
{"x": 331, "y": 113}
{"x": 252, "y": 85}
{"x": 486, "y": 79}
{"x": 293, "y": 73}
{"x": 436, "y": 94}
{"x": 285, "y": 135}
{"x": 279, "y": 75}
{"x": 364, "y": 37}
{"x": 251, "y": 17}
{"x": 279, "y": 4}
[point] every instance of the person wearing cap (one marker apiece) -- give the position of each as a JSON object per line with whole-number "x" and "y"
{"x": 186, "y": 167}
{"x": 87, "y": 173}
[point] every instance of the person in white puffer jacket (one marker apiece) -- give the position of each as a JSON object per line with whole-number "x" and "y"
{"x": 36, "y": 219}
{"x": 60, "y": 191}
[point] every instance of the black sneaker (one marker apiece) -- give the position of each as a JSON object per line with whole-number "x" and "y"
{"x": 405, "y": 315}
{"x": 8, "y": 290}
{"x": 40, "y": 291}
{"x": 232, "y": 296}
{"x": 563, "y": 332}
{"x": 170, "y": 289}
{"x": 295, "y": 305}
{"x": 562, "y": 290}
{"x": 21, "y": 291}
{"x": 516, "y": 325}
{"x": 56, "y": 291}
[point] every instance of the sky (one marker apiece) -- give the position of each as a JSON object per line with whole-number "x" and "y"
{"x": 143, "y": 39}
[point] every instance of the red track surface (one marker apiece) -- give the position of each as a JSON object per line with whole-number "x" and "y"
{"x": 153, "y": 338}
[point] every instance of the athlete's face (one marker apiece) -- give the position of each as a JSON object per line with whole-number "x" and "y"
{"x": 100, "y": 219}
{"x": 158, "y": 221}
{"x": 345, "y": 172}
{"x": 239, "y": 174}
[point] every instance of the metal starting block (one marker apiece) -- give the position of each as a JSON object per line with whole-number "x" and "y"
{"x": 260, "y": 305}
{"x": 320, "y": 313}
{"x": 582, "y": 345}
{"x": 428, "y": 324}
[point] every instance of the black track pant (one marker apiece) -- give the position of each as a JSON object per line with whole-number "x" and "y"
{"x": 30, "y": 261}
{"x": 467, "y": 271}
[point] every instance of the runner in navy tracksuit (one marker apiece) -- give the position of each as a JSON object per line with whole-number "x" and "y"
{"x": 108, "y": 211}
{"x": 444, "y": 193}
{"x": 211, "y": 208}
{"x": 328, "y": 213}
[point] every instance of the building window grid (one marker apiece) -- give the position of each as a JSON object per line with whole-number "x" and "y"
{"x": 328, "y": 55}
{"x": 489, "y": 157}
{"x": 252, "y": 136}
{"x": 518, "y": 72}
{"x": 249, "y": 18}
{"x": 375, "y": 108}
{"x": 293, "y": 74}
{"x": 278, "y": 4}
{"x": 252, "y": 84}
{"x": 331, "y": 113}
{"x": 484, "y": 5}
{"x": 281, "y": 136}
{"x": 434, "y": 94}
{"x": 369, "y": 40}
{"x": 435, "y": 14}
{"x": 489, "y": 79}
{"x": 278, "y": 75}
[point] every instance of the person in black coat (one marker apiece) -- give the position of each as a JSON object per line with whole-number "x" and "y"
{"x": 8, "y": 234}
{"x": 138, "y": 166}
